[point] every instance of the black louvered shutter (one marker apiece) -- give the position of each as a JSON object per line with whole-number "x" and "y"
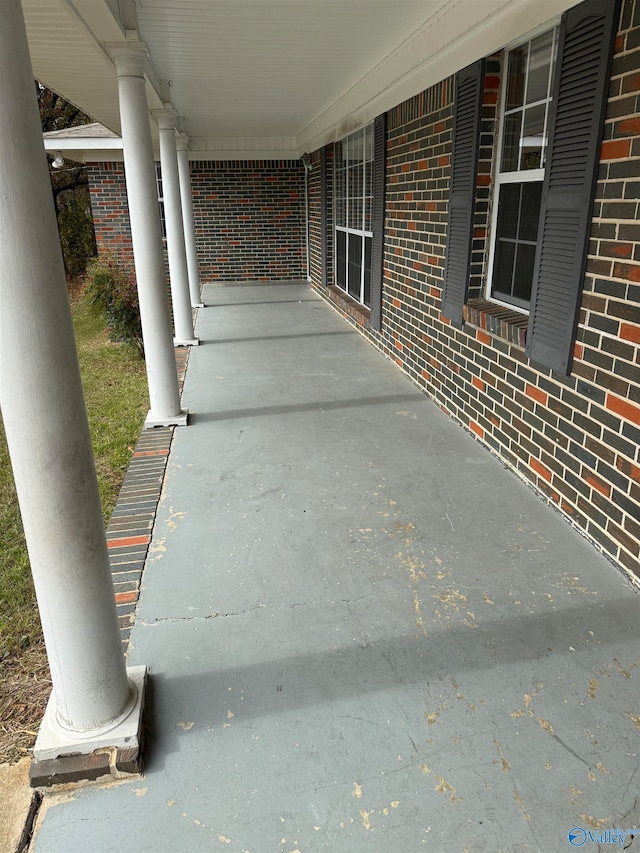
{"x": 577, "y": 115}
{"x": 377, "y": 246}
{"x": 324, "y": 207}
{"x": 464, "y": 172}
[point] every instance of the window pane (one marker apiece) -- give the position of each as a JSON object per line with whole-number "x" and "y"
{"x": 503, "y": 268}
{"x": 508, "y": 209}
{"x": 367, "y": 271}
{"x": 539, "y": 67}
{"x": 530, "y": 211}
{"x": 355, "y": 197}
{"x": 533, "y": 137}
{"x": 368, "y": 213}
{"x": 516, "y": 77}
{"x": 524, "y": 271}
{"x": 511, "y": 142}
{"x": 355, "y": 265}
{"x": 341, "y": 259}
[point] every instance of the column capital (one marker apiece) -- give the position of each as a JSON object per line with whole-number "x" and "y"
{"x": 166, "y": 118}
{"x": 130, "y": 59}
{"x": 182, "y": 142}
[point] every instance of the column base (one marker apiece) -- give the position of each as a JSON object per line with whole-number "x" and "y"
{"x": 61, "y": 756}
{"x": 180, "y": 419}
{"x": 190, "y": 342}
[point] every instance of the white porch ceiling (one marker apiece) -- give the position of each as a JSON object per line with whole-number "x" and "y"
{"x": 269, "y": 78}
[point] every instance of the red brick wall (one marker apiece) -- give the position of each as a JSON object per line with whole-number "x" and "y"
{"x": 249, "y": 217}
{"x": 575, "y": 439}
{"x": 110, "y": 210}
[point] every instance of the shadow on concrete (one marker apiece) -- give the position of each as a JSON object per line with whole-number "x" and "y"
{"x": 275, "y": 338}
{"x": 293, "y": 408}
{"x": 376, "y": 665}
{"x": 270, "y": 302}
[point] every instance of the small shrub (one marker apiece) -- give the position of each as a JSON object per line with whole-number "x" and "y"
{"x": 112, "y": 289}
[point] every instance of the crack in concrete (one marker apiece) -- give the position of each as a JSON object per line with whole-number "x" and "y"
{"x": 161, "y": 619}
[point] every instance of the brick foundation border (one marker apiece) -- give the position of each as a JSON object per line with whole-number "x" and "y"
{"x": 131, "y": 526}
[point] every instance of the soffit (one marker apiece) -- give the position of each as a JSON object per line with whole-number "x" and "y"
{"x": 255, "y": 68}
{"x": 268, "y": 76}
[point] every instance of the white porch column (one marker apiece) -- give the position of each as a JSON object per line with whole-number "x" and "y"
{"x": 187, "y": 218}
{"x": 146, "y": 236}
{"x": 182, "y": 315}
{"x": 47, "y": 431}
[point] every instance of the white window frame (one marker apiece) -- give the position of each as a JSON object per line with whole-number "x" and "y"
{"x": 524, "y": 175}
{"x": 346, "y": 229}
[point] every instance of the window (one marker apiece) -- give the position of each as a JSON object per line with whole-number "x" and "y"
{"x": 353, "y": 195}
{"x": 160, "y": 201}
{"x": 548, "y": 159}
{"x": 524, "y": 135}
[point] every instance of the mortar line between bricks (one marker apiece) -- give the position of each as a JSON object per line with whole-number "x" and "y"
{"x": 137, "y": 505}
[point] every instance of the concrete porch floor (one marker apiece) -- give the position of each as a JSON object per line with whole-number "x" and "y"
{"x": 363, "y": 632}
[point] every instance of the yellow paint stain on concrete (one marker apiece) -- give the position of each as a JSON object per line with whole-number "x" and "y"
{"x": 444, "y": 787}
{"x": 230, "y": 715}
{"x": 591, "y": 777}
{"x": 517, "y": 714}
{"x": 171, "y": 524}
{"x": 185, "y": 725}
{"x": 575, "y": 794}
{"x": 171, "y": 803}
{"x": 357, "y": 791}
{"x": 453, "y": 599}
{"x": 506, "y": 767}
{"x": 602, "y": 768}
{"x": 487, "y": 599}
{"x": 365, "y": 819}
{"x": 140, "y": 792}
{"x": 546, "y": 725}
{"x": 621, "y": 669}
{"x": 440, "y": 576}
{"x": 395, "y": 804}
{"x": 635, "y": 719}
{"x": 594, "y": 823}
{"x": 425, "y": 769}
{"x": 593, "y": 687}
{"x": 518, "y": 799}
{"x": 224, "y": 840}
{"x": 431, "y": 717}
{"x": 548, "y": 766}
{"x": 385, "y": 811}
{"x": 419, "y": 620}
{"x": 157, "y": 549}
{"x": 527, "y": 700}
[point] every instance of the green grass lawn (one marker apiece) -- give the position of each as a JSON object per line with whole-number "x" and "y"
{"x": 115, "y": 389}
